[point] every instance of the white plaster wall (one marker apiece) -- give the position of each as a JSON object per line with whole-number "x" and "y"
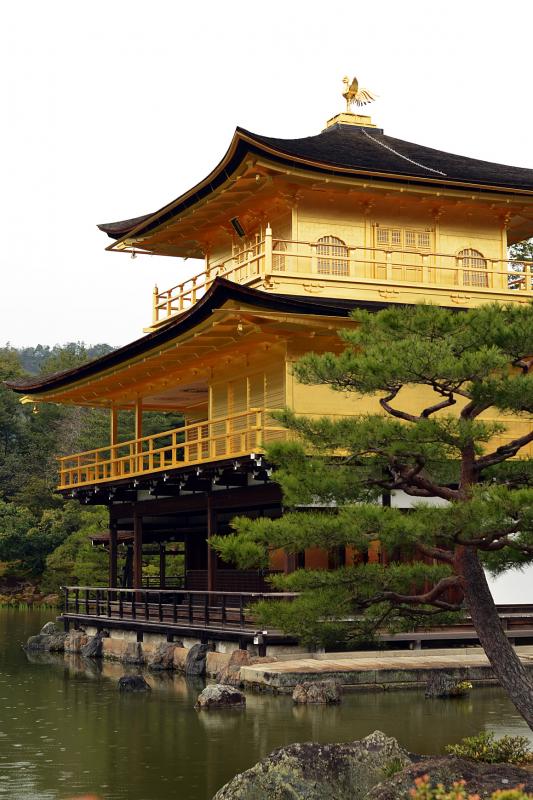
{"x": 515, "y": 586}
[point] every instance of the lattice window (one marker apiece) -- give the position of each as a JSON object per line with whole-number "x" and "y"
{"x": 403, "y": 238}
{"x": 278, "y": 259}
{"x": 474, "y": 267}
{"x": 332, "y": 256}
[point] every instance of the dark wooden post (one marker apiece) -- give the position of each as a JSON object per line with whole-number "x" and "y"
{"x": 211, "y": 555}
{"x": 162, "y": 565}
{"x": 137, "y": 550}
{"x": 113, "y": 556}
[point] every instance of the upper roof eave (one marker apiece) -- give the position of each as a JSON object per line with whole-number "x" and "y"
{"x": 245, "y": 142}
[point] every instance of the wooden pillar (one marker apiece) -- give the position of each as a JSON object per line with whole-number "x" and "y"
{"x": 162, "y": 565}
{"x": 113, "y": 436}
{"x": 137, "y": 550}
{"x": 138, "y": 418}
{"x": 211, "y": 555}
{"x": 138, "y": 432}
{"x": 113, "y": 555}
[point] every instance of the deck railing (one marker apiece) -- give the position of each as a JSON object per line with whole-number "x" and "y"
{"x": 221, "y": 438}
{"x": 387, "y": 267}
{"x": 169, "y": 607}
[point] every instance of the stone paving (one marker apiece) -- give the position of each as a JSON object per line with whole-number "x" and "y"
{"x": 375, "y": 669}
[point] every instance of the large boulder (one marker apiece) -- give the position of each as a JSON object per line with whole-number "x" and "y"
{"x": 196, "y": 657}
{"x": 133, "y": 654}
{"x": 75, "y": 641}
{"x": 133, "y": 683}
{"x": 47, "y": 642}
{"x": 317, "y": 692}
{"x": 230, "y": 674}
{"x": 314, "y": 771}
{"x": 218, "y": 696}
{"x": 481, "y": 779}
{"x": 50, "y": 628}
{"x": 94, "y": 646}
{"x": 162, "y": 656}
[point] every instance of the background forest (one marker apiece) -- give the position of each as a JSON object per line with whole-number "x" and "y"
{"x": 44, "y": 539}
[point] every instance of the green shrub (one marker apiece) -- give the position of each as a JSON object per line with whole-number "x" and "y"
{"x": 423, "y": 790}
{"x": 485, "y": 747}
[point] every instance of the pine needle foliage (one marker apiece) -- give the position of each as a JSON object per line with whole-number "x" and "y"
{"x": 446, "y": 385}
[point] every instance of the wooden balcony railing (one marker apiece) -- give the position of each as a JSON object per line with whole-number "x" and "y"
{"x": 169, "y": 607}
{"x": 387, "y": 267}
{"x": 222, "y": 438}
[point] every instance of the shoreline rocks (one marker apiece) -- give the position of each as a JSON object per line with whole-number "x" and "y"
{"x": 50, "y": 639}
{"x": 441, "y": 685}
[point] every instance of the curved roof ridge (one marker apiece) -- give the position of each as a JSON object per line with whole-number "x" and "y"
{"x": 218, "y": 293}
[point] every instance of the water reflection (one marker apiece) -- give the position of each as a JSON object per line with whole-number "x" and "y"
{"x": 65, "y": 729}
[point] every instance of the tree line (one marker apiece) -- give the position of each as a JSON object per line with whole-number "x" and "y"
{"x": 43, "y": 537}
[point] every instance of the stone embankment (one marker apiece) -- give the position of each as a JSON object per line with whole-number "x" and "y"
{"x": 378, "y": 671}
{"x": 155, "y": 654}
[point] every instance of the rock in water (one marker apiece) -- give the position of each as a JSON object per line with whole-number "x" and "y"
{"x": 313, "y": 771}
{"x": 50, "y": 628}
{"x": 133, "y": 683}
{"x": 196, "y": 658}
{"x": 481, "y": 779}
{"x": 47, "y": 642}
{"x": 325, "y": 692}
{"x": 219, "y": 696}
{"x": 442, "y": 685}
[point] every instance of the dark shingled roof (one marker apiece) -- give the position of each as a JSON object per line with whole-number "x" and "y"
{"x": 343, "y": 149}
{"x": 219, "y": 292}
{"x": 354, "y": 147}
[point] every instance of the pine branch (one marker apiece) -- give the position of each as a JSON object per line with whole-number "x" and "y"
{"x": 431, "y": 597}
{"x": 437, "y": 553}
{"x": 395, "y": 412}
{"x": 503, "y": 453}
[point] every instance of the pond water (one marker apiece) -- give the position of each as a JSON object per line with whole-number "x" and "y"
{"x": 65, "y": 730}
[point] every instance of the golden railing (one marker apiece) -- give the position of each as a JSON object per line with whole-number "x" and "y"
{"x": 222, "y": 438}
{"x": 388, "y": 267}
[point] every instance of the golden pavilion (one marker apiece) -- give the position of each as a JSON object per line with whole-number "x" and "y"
{"x": 290, "y": 235}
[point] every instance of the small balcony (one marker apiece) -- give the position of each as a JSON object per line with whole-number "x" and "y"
{"x": 341, "y": 270}
{"x": 213, "y": 440}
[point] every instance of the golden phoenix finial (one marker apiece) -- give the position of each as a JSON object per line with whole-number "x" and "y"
{"x": 355, "y": 95}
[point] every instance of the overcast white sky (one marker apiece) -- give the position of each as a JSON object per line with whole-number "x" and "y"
{"x": 111, "y": 108}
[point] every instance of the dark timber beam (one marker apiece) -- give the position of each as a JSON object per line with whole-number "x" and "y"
{"x": 211, "y": 554}
{"x": 162, "y": 566}
{"x": 113, "y": 555}
{"x": 137, "y": 550}
{"x": 230, "y": 498}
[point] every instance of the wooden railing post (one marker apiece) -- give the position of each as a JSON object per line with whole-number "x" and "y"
{"x": 268, "y": 251}
{"x": 241, "y": 611}
{"x": 155, "y": 306}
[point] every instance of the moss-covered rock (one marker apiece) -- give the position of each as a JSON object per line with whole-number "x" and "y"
{"x": 482, "y": 779}
{"x": 314, "y": 771}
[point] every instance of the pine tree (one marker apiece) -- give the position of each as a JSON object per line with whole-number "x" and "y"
{"x": 444, "y": 383}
